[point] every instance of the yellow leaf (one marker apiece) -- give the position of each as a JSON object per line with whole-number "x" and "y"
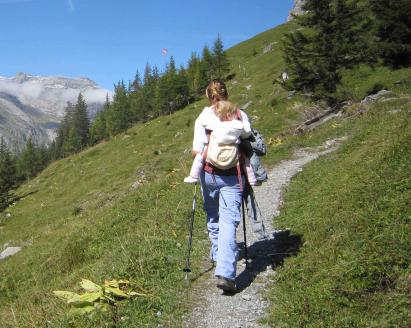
{"x": 69, "y": 297}
{"x": 90, "y": 286}
{"x": 81, "y": 310}
{"x": 90, "y": 297}
{"x": 116, "y": 292}
{"x": 111, "y": 283}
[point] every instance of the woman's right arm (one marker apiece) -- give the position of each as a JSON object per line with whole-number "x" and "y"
{"x": 200, "y": 137}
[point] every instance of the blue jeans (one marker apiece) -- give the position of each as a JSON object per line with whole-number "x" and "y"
{"x": 222, "y": 204}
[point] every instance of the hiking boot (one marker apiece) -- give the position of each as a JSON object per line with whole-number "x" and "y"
{"x": 190, "y": 179}
{"x": 226, "y": 285}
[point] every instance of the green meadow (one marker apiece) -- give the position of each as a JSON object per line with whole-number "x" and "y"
{"x": 120, "y": 210}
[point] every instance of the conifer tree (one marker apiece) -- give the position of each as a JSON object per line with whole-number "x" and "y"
{"x": 393, "y": 20}
{"x": 98, "y": 129}
{"x": 7, "y": 174}
{"x": 81, "y": 122}
{"x": 29, "y": 162}
{"x": 221, "y": 64}
{"x": 148, "y": 93}
{"x": 136, "y": 84}
{"x": 207, "y": 67}
{"x": 57, "y": 151}
{"x": 332, "y": 35}
{"x": 194, "y": 75}
{"x": 118, "y": 117}
{"x": 72, "y": 143}
{"x": 167, "y": 90}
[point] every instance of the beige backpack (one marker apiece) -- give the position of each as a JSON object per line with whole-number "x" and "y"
{"x": 222, "y": 156}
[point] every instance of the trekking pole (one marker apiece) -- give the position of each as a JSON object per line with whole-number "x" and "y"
{"x": 245, "y": 236}
{"x": 187, "y": 269}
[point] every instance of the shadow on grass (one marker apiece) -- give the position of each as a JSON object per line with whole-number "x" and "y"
{"x": 265, "y": 253}
{"x": 14, "y": 198}
{"x": 202, "y": 273}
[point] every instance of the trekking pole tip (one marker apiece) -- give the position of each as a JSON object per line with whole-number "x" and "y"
{"x": 187, "y": 271}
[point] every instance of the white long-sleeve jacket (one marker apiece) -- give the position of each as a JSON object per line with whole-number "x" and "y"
{"x": 227, "y": 132}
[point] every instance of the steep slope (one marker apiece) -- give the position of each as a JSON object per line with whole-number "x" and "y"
{"x": 120, "y": 209}
{"x": 34, "y": 105}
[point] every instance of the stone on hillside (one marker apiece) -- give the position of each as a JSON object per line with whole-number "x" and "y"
{"x": 9, "y": 251}
{"x": 297, "y": 9}
{"x": 379, "y": 96}
{"x": 248, "y": 104}
{"x": 269, "y": 47}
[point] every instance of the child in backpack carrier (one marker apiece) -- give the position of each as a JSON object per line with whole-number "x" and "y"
{"x": 224, "y": 138}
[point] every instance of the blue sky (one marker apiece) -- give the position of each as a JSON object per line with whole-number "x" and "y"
{"x": 108, "y": 40}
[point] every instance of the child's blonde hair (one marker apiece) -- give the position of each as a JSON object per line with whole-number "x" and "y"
{"x": 226, "y": 110}
{"x": 216, "y": 91}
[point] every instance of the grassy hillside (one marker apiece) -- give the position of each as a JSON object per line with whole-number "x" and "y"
{"x": 82, "y": 217}
{"x": 352, "y": 209}
{"x": 120, "y": 210}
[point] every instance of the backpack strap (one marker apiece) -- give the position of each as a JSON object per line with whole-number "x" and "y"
{"x": 240, "y": 180}
{"x": 208, "y": 134}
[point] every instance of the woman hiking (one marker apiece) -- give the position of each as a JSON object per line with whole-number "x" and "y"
{"x": 222, "y": 191}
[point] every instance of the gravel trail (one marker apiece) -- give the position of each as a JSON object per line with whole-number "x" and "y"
{"x": 247, "y": 307}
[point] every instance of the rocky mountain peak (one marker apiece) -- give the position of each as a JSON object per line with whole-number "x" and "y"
{"x": 20, "y": 77}
{"x": 33, "y": 106}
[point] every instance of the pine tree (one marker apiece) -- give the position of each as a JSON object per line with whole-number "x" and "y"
{"x": 207, "y": 67}
{"x": 221, "y": 64}
{"x": 29, "y": 162}
{"x": 148, "y": 94}
{"x": 194, "y": 75}
{"x": 98, "y": 129}
{"x": 72, "y": 144}
{"x": 7, "y": 174}
{"x": 183, "y": 97}
{"x": 57, "y": 151}
{"x": 393, "y": 20}
{"x": 81, "y": 122}
{"x": 167, "y": 90}
{"x": 118, "y": 117}
{"x": 332, "y": 35}
{"x": 136, "y": 84}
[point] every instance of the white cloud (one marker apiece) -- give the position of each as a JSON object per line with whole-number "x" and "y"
{"x": 96, "y": 96}
{"x": 51, "y": 95}
{"x": 27, "y": 90}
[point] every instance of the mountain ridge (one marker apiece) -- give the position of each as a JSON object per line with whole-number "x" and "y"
{"x": 33, "y": 106}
